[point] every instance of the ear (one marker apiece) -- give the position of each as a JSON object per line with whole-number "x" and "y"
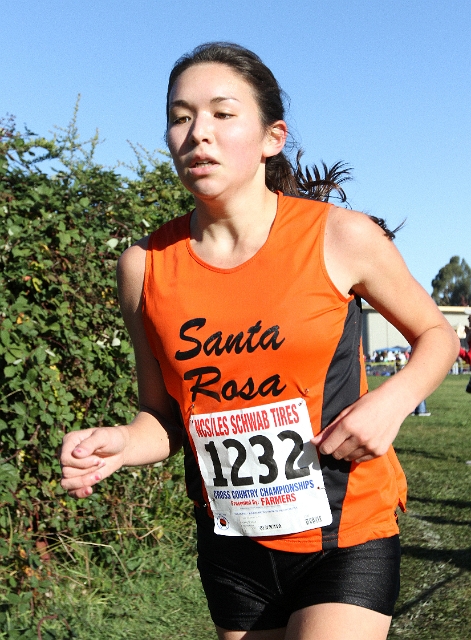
{"x": 275, "y": 138}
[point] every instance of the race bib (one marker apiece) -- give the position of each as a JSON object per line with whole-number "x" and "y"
{"x": 261, "y": 472}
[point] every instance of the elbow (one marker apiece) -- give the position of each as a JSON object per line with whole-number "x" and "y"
{"x": 453, "y": 341}
{"x": 175, "y": 439}
{"x": 442, "y": 339}
{"x": 457, "y": 343}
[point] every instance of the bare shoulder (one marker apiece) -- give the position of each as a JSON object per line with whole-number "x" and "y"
{"x": 132, "y": 262}
{"x": 130, "y": 273}
{"x": 353, "y": 245}
{"x": 359, "y": 257}
{"x": 352, "y": 229}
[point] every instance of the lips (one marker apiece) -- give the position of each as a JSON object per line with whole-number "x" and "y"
{"x": 202, "y": 166}
{"x": 202, "y": 162}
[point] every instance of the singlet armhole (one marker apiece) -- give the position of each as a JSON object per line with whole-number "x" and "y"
{"x": 325, "y": 215}
{"x": 155, "y": 243}
{"x": 146, "y": 305}
{"x": 147, "y": 271}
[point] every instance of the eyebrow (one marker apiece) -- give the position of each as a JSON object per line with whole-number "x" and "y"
{"x": 185, "y": 104}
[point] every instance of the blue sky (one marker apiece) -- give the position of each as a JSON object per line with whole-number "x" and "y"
{"x": 384, "y": 86}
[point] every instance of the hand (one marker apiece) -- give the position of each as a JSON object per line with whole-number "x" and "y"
{"x": 90, "y": 455}
{"x": 361, "y": 432}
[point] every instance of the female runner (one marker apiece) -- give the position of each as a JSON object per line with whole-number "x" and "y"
{"x": 245, "y": 315}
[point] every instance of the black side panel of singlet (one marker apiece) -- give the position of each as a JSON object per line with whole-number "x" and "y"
{"x": 194, "y": 483}
{"x": 342, "y": 388}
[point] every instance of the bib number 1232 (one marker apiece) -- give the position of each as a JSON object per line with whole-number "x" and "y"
{"x": 261, "y": 471}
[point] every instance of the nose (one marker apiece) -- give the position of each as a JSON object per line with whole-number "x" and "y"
{"x": 201, "y": 129}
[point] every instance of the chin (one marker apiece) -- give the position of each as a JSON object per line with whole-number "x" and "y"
{"x": 205, "y": 191}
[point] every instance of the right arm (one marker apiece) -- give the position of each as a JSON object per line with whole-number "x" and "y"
{"x": 89, "y": 455}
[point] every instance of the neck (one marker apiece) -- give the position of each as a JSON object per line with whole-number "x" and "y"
{"x": 228, "y": 232}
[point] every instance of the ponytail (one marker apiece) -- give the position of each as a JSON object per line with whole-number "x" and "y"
{"x": 281, "y": 176}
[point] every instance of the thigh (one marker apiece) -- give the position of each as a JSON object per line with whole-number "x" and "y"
{"x": 336, "y": 621}
{"x": 330, "y": 621}
{"x": 271, "y": 634}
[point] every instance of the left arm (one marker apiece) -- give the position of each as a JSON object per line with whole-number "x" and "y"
{"x": 360, "y": 258}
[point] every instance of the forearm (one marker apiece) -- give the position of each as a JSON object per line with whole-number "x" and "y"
{"x": 149, "y": 438}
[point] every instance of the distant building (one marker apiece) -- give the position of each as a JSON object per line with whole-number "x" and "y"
{"x": 379, "y": 334}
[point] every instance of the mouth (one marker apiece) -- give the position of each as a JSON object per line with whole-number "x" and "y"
{"x": 205, "y": 162}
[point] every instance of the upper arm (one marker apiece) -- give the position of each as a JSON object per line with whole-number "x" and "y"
{"x": 130, "y": 274}
{"x": 360, "y": 258}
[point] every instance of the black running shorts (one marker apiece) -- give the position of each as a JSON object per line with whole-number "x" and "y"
{"x": 251, "y": 587}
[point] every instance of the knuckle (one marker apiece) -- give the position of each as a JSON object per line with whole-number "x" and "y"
{"x": 361, "y": 439}
{"x": 380, "y": 451}
{"x": 68, "y": 472}
{"x": 327, "y": 450}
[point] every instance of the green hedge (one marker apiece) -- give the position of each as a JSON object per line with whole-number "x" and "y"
{"x": 65, "y": 358}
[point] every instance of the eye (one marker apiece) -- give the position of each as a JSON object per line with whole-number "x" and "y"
{"x": 180, "y": 119}
{"x": 222, "y": 115}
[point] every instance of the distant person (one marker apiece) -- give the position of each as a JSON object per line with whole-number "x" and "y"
{"x": 466, "y": 355}
{"x": 245, "y": 320}
{"x": 401, "y": 361}
{"x": 421, "y": 410}
{"x": 397, "y": 364}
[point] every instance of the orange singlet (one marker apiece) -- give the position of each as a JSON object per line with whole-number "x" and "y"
{"x": 272, "y": 329}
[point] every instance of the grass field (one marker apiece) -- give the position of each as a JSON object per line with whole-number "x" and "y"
{"x": 435, "y": 600}
{"x": 154, "y": 594}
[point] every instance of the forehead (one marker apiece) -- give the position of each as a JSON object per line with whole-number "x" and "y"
{"x": 210, "y": 79}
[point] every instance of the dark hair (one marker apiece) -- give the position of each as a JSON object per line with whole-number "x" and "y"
{"x": 279, "y": 172}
